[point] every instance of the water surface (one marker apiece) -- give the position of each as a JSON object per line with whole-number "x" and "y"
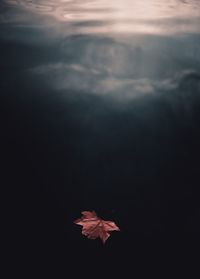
{"x": 101, "y": 110}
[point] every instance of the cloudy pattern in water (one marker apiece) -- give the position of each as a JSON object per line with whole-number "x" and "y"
{"x": 122, "y": 48}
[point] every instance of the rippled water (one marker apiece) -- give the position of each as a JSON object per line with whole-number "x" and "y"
{"x": 121, "y": 48}
{"x": 97, "y": 16}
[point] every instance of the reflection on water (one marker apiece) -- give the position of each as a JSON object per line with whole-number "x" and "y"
{"x": 160, "y": 47}
{"x": 147, "y": 16}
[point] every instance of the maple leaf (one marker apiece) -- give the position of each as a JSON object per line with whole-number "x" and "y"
{"x": 94, "y": 226}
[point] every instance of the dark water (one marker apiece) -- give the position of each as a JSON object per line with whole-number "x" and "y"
{"x": 100, "y": 104}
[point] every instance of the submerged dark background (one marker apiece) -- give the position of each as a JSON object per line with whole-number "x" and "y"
{"x": 83, "y": 132}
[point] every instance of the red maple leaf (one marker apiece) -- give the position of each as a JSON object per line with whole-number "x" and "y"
{"x": 94, "y": 226}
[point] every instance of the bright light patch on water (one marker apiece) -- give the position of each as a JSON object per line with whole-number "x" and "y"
{"x": 114, "y": 16}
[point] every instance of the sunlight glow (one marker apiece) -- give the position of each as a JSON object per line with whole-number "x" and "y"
{"x": 130, "y": 16}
